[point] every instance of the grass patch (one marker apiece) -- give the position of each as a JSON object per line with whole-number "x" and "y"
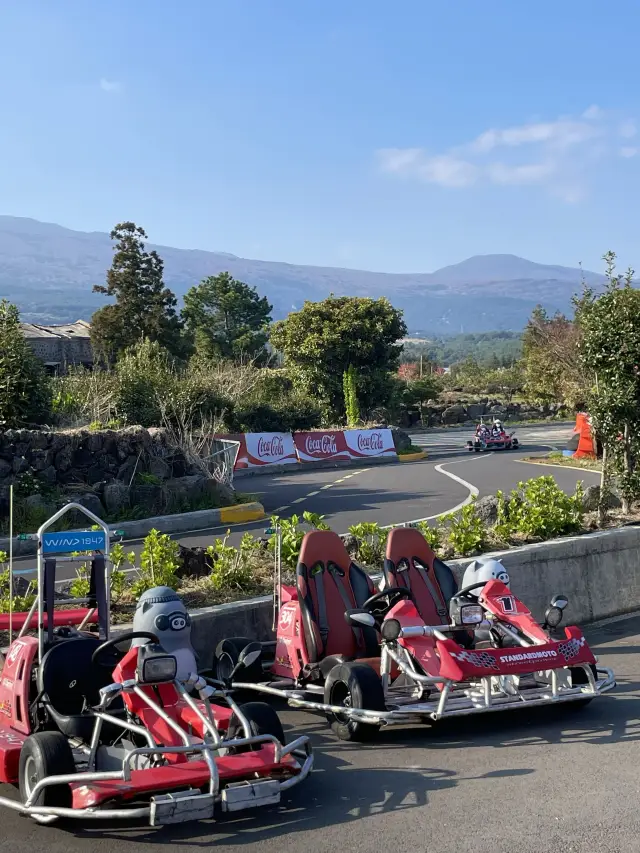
{"x": 556, "y": 458}
{"x": 408, "y": 451}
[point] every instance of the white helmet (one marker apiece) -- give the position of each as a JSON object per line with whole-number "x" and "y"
{"x": 483, "y": 570}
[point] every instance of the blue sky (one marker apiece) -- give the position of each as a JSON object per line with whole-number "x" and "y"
{"x": 362, "y": 133}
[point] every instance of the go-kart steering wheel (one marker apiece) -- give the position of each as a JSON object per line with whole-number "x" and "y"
{"x": 98, "y": 657}
{"x": 468, "y": 589}
{"x": 392, "y": 595}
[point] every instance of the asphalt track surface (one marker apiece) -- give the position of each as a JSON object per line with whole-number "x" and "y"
{"x": 394, "y": 493}
{"x": 553, "y": 780}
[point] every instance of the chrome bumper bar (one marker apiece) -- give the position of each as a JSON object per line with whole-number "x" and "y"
{"x": 300, "y": 749}
{"x": 454, "y": 700}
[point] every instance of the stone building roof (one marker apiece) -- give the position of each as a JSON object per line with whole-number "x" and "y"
{"x": 71, "y": 331}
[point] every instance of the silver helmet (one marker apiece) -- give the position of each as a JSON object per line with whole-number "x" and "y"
{"x": 161, "y": 611}
{"x": 483, "y": 570}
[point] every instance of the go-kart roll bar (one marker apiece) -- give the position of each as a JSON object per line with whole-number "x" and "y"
{"x": 39, "y": 602}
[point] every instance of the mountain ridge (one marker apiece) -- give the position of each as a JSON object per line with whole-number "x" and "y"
{"x": 48, "y": 270}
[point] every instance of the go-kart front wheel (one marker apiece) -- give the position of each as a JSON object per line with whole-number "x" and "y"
{"x": 262, "y": 719}
{"x": 353, "y": 685}
{"x": 46, "y": 754}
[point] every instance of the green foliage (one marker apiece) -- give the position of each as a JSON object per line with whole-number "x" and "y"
{"x": 85, "y": 396}
{"x": 159, "y": 562}
{"x": 143, "y": 375}
{"x": 433, "y": 535}
{"x": 25, "y": 391}
{"x": 292, "y": 533}
{"x": 143, "y": 306}
{"x": 610, "y": 353}
{"x": 232, "y": 568}
{"x": 322, "y": 340}
{"x": 296, "y": 413}
{"x": 371, "y": 541}
{"x": 465, "y": 531}
{"x": 539, "y": 509}
{"x": 226, "y": 318}
{"x": 551, "y": 363}
{"x": 489, "y": 349}
{"x": 350, "y": 390}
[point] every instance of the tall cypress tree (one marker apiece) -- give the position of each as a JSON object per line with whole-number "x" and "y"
{"x": 143, "y": 307}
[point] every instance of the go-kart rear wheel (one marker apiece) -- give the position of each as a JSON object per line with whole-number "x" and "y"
{"x": 263, "y": 720}
{"x": 46, "y": 754}
{"x": 353, "y": 685}
{"x": 226, "y": 657}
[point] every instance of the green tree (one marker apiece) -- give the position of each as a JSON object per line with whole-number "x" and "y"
{"x": 553, "y": 371}
{"x": 25, "y": 392}
{"x": 350, "y": 389}
{"x": 324, "y": 339}
{"x": 227, "y": 318}
{"x": 610, "y": 353}
{"x": 143, "y": 307}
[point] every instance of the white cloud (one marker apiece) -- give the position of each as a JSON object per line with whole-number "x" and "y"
{"x": 110, "y": 85}
{"x": 627, "y": 129}
{"x": 554, "y": 154}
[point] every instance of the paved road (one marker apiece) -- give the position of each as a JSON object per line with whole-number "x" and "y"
{"x": 391, "y": 494}
{"x": 548, "y": 782}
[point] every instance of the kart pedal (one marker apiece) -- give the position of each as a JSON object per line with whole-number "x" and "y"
{"x": 180, "y": 807}
{"x": 248, "y": 795}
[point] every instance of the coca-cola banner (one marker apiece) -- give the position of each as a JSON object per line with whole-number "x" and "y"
{"x": 318, "y": 446}
{"x": 369, "y": 442}
{"x": 269, "y": 448}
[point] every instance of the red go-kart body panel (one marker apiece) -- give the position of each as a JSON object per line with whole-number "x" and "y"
{"x": 451, "y": 661}
{"x": 291, "y": 651}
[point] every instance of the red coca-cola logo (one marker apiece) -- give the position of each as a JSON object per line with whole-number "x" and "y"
{"x": 373, "y": 441}
{"x": 272, "y": 447}
{"x": 322, "y": 444}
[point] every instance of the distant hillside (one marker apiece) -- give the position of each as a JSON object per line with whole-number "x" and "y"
{"x": 49, "y": 270}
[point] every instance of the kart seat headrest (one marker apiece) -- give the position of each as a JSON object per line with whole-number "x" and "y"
{"x": 329, "y": 584}
{"x": 410, "y": 562}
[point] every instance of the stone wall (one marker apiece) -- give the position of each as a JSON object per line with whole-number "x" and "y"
{"x": 107, "y": 471}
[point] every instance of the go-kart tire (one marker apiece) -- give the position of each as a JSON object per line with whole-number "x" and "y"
{"x": 354, "y": 685}
{"x": 263, "y": 720}
{"x": 46, "y": 754}
{"x": 226, "y": 657}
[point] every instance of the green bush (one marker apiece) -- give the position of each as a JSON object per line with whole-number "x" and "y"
{"x": 371, "y": 541}
{"x": 539, "y": 509}
{"x": 144, "y": 378}
{"x": 295, "y": 413}
{"x": 232, "y": 568}
{"x": 466, "y": 533}
{"x": 292, "y": 532}
{"x": 159, "y": 563}
{"x": 25, "y": 390}
{"x": 433, "y": 535}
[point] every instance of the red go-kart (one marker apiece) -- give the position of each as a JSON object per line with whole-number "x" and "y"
{"x": 88, "y": 733}
{"x": 486, "y": 439}
{"x": 418, "y": 650}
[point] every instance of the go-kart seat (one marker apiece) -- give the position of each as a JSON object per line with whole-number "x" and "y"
{"x": 68, "y": 682}
{"x": 330, "y": 583}
{"x": 410, "y": 562}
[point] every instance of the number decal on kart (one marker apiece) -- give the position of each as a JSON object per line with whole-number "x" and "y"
{"x": 286, "y": 618}
{"x": 508, "y": 604}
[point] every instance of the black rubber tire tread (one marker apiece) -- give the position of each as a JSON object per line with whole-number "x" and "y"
{"x": 53, "y": 757}
{"x": 263, "y": 720}
{"x": 365, "y": 689}
{"x": 232, "y": 646}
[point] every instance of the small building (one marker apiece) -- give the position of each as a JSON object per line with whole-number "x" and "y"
{"x": 59, "y": 347}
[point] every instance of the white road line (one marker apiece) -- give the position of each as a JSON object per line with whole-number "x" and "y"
{"x": 473, "y": 491}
